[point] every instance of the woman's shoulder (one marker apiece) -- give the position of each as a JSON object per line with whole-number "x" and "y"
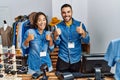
{"x": 31, "y": 31}
{"x": 47, "y": 32}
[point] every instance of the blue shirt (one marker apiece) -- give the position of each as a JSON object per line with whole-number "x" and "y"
{"x": 14, "y": 33}
{"x": 69, "y": 34}
{"x": 113, "y": 56}
{"x": 36, "y": 46}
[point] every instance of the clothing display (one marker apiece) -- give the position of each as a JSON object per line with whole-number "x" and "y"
{"x": 112, "y": 56}
{"x": 20, "y": 26}
{"x": 17, "y": 31}
{"x": 6, "y": 36}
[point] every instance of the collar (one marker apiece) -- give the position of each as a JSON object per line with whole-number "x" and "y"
{"x": 73, "y": 22}
{"x": 68, "y": 23}
{"x": 39, "y": 33}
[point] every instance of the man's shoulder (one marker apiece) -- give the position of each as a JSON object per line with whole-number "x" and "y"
{"x": 76, "y": 21}
{"x": 61, "y": 24}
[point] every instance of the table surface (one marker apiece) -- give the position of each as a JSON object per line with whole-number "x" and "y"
{"x": 53, "y": 77}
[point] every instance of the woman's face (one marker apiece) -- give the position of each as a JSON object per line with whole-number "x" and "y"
{"x": 41, "y": 22}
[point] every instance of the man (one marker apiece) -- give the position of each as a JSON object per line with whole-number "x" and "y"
{"x": 68, "y": 36}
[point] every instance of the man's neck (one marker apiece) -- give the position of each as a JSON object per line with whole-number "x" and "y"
{"x": 68, "y": 23}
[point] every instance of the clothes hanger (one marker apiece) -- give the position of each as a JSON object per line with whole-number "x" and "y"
{"x": 5, "y": 25}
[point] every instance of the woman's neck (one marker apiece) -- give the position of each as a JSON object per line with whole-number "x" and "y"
{"x": 40, "y": 31}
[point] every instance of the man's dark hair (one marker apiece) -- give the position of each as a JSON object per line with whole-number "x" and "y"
{"x": 66, "y": 5}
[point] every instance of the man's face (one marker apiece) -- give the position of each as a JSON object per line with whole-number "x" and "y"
{"x": 66, "y": 13}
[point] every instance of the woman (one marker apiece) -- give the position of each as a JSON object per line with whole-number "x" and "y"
{"x": 39, "y": 42}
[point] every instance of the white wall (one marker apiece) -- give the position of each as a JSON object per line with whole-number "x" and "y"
{"x": 11, "y": 9}
{"x": 80, "y": 11}
{"x": 103, "y": 23}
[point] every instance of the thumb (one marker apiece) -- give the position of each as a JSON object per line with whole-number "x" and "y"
{"x": 28, "y": 34}
{"x": 81, "y": 25}
{"x": 55, "y": 27}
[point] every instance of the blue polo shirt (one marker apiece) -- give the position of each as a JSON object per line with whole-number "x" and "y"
{"x": 69, "y": 34}
{"x": 113, "y": 56}
{"x": 36, "y": 46}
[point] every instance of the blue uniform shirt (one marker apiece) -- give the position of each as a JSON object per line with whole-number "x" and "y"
{"x": 69, "y": 34}
{"x": 36, "y": 46}
{"x": 113, "y": 56}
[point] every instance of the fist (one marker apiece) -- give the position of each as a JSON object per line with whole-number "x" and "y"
{"x": 48, "y": 36}
{"x": 30, "y": 37}
{"x": 80, "y": 30}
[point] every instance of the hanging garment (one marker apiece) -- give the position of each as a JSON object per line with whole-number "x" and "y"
{"x": 6, "y": 36}
{"x": 113, "y": 56}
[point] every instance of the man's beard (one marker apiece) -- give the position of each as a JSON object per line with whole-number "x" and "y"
{"x": 67, "y": 20}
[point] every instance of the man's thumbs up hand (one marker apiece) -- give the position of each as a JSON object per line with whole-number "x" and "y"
{"x": 57, "y": 32}
{"x": 81, "y": 31}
